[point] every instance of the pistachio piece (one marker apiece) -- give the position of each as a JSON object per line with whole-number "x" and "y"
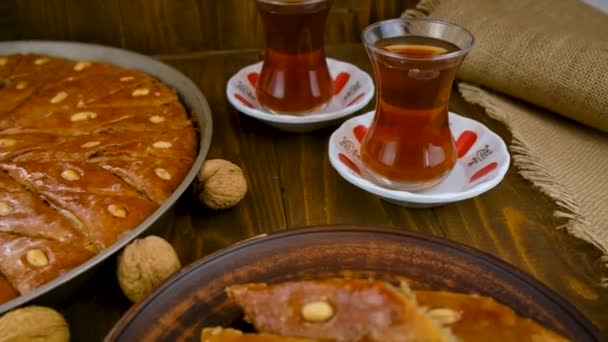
{"x": 90, "y": 144}
{"x": 5, "y": 208}
{"x": 117, "y": 210}
{"x": 157, "y": 119}
{"x": 162, "y": 173}
{"x": 81, "y": 65}
{"x": 70, "y": 175}
{"x": 42, "y": 60}
{"x": 444, "y": 316}
{"x": 62, "y": 95}
{"x": 36, "y": 257}
{"x": 317, "y": 312}
{"x": 81, "y": 116}
{"x": 141, "y": 92}
{"x": 162, "y": 144}
{"x": 7, "y": 142}
{"x": 21, "y": 85}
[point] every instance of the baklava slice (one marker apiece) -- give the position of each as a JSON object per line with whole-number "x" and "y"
{"x": 479, "y": 318}
{"x": 157, "y": 178}
{"x": 168, "y": 117}
{"x": 14, "y": 92}
{"x": 337, "y": 310}
{"x": 24, "y": 213}
{"x": 43, "y": 67}
{"x": 29, "y": 263}
{"x": 149, "y": 93}
{"x": 174, "y": 144}
{"x": 115, "y": 81}
{"x": 97, "y": 202}
{"x": 27, "y": 76}
{"x": 12, "y": 145}
{"x": 61, "y": 121}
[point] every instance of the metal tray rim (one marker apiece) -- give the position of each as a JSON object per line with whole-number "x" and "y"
{"x": 189, "y": 93}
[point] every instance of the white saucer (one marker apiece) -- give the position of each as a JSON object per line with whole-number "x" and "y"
{"x": 482, "y": 163}
{"x": 353, "y": 87}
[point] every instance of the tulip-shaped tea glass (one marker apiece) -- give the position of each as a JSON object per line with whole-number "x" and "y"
{"x": 294, "y": 78}
{"x": 409, "y": 145}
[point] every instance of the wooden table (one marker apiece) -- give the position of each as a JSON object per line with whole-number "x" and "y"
{"x": 292, "y": 184}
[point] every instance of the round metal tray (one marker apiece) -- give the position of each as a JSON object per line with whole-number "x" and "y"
{"x": 190, "y": 96}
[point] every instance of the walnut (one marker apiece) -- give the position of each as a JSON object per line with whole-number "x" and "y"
{"x": 144, "y": 264}
{"x": 221, "y": 184}
{"x": 34, "y": 323}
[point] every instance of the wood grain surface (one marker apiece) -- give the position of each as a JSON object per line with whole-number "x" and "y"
{"x": 172, "y": 26}
{"x": 291, "y": 181}
{"x": 291, "y": 184}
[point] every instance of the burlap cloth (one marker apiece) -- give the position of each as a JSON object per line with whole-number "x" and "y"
{"x": 552, "y": 54}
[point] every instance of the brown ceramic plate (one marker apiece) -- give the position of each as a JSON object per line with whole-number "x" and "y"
{"x": 195, "y": 297}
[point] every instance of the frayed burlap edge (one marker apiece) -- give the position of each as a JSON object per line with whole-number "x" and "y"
{"x": 531, "y": 167}
{"x": 423, "y": 9}
{"x": 528, "y": 165}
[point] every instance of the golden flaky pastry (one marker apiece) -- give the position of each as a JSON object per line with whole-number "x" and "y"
{"x": 88, "y": 151}
{"x": 350, "y": 310}
{"x": 337, "y": 310}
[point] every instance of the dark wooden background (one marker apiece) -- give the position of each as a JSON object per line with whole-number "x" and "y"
{"x": 172, "y": 26}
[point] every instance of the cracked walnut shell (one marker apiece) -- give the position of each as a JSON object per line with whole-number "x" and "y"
{"x": 34, "y": 323}
{"x": 144, "y": 264}
{"x": 221, "y": 184}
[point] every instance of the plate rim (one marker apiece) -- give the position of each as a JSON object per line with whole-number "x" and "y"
{"x": 411, "y": 197}
{"x": 573, "y": 313}
{"x": 203, "y": 124}
{"x": 294, "y": 120}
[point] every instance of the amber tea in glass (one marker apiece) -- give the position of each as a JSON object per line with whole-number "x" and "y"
{"x": 409, "y": 145}
{"x": 294, "y": 78}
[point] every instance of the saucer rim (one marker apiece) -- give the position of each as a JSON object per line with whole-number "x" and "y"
{"x": 305, "y": 119}
{"x": 411, "y": 197}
